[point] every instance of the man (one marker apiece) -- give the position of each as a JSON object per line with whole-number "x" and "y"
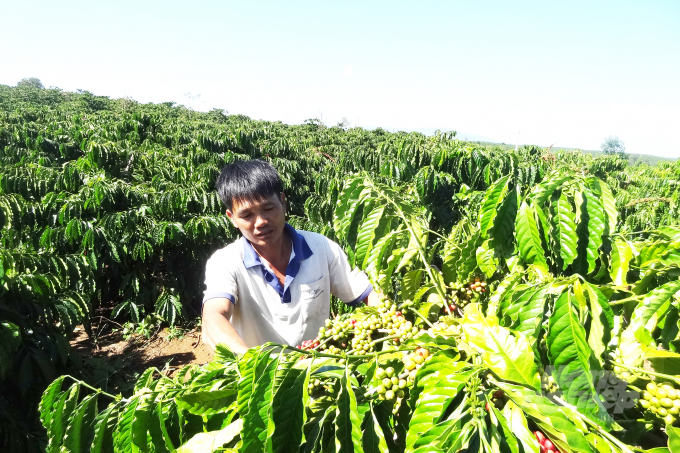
{"x": 273, "y": 284}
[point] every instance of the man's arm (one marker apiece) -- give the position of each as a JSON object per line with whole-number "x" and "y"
{"x": 216, "y": 328}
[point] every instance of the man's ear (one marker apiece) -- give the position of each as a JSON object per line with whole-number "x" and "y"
{"x": 231, "y": 217}
{"x": 282, "y": 198}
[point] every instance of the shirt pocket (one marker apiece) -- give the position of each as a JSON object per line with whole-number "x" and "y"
{"x": 313, "y": 291}
{"x": 315, "y": 300}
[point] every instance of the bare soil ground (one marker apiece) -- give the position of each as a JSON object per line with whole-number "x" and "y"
{"x": 114, "y": 362}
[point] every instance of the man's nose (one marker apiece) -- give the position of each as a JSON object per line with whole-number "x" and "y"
{"x": 260, "y": 221}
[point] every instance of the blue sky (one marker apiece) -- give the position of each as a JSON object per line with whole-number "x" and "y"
{"x": 569, "y": 73}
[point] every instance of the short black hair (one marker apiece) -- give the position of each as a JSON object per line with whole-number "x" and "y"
{"x": 248, "y": 180}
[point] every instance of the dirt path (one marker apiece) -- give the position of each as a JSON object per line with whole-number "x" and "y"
{"x": 110, "y": 357}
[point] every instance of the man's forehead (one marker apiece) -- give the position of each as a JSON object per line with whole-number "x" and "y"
{"x": 242, "y": 205}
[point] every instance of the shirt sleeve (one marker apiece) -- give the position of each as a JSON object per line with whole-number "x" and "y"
{"x": 347, "y": 284}
{"x": 220, "y": 278}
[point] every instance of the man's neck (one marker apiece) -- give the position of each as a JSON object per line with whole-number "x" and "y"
{"x": 277, "y": 254}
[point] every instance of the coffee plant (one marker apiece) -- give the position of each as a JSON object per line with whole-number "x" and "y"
{"x": 534, "y": 326}
{"x": 538, "y": 289}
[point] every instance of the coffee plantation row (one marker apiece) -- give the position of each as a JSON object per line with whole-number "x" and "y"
{"x": 532, "y": 297}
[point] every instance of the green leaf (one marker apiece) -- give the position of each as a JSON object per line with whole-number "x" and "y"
{"x": 207, "y": 402}
{"x": 439, "y": 437}
{"x": 374, "y": 259}
{"x": 486, "y": 259}
{"x": 373, "y": 438}
{"x": 664, "y": 362}
{"x": 350, "y": 201}
{"x": 589, "y": 232}
{"x": 467, "y": 264}
{"x": 47, "y": 401}
{"x": 347, "y": 420}
{"x": 256, "y": 421}
{"x": 432, "y": 402}
{"x": 504, "y": 223}
{"x": 493, "y": 198}
{"x": 602, "y": 321}
{"x": 213, "y": 440}
{"x": 497, "y": 419}
{"x": 542, "y": 191}
{"x": 145, "y": 380}
{"x": 553, "y": 420}
{"x": 653, "y": 306}
{"x": 79, "y": 431}
{"x": 122, "y": 436}
{"x": 288, "y": 410}
{"x": 60, "y": 418}
{"x": 160, "y": 438}
{"x": 607, "y": 201}
{"x": 570, "y": 355}
{"x": 523, "y": 311}
{"x": 565, "y": 229}
{"x": 250, "y": 366}
{"x": 509, "y": 356}
{"x": 505, "y": 288}
{"x": 528, "y": 240}
{"x": 517, "y": 424}
{"x": 366, "y": 234}
{"x": 417, "y": 238}
{"x": 104, "y": 425}
{"x": 410, "y": 283}
{"x": 621, "y": 256}
{"x": 140, "y": 421}
{"x": 673, "y": 439}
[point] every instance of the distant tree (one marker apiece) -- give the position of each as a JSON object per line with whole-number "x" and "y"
{"x": 613, "y": 145}
{"x": 314, "y": 123}
{"x": 219, "y": 115}
{"x": 344, "y": 123}
{"x": 32, "y": 82}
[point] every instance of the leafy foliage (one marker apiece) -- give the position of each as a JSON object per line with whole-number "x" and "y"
{"x": 111, "y": 201}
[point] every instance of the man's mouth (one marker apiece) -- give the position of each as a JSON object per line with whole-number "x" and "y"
{"x": 264, "y": 235}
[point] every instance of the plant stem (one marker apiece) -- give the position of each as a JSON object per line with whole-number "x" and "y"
{"x": 416, "y": 239}
{"x": 94, "y": 389}
{"x": 415, "y": 312}
{"x": 598, "y": 428}
{"x": 379, "y": 340}
{"x": 650, "y": 373}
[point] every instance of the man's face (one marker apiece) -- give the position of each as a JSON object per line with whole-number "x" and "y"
{"x": 261, "y": 222}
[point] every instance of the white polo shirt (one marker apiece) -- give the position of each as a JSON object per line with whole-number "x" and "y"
{"x": 265, "y": 310}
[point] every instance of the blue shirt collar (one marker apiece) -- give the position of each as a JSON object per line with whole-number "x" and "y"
{"x": 300, "y": 247}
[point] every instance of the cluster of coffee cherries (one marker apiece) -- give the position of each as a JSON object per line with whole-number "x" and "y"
{"x": 662, "y": 401}
{"x": 391, "y": 386}
{"x": 545, "y": 444}
{"x": 388, "y": 320}
{"x": 413, "y": 361}
{"x": 461, "y": 294}
{"x": 394, "y": 323}
{"x": 548, "y": 384}
{"x": 321, "y": 385}
{"x": 309, "y": 344}
{"x": 621, "y": 373}
{"x": 443, "y": 328}
{"x": 336, "y": 334}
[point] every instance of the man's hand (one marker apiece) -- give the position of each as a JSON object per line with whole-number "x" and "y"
{"x": 374, "y": 299}
{"x": 216, "y": 328}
